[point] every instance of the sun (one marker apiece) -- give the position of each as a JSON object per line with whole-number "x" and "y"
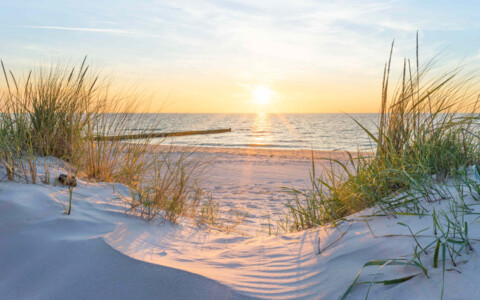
{"x": 261, "y": 95}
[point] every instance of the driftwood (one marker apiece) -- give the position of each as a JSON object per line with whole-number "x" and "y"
{"x": 158, "y": 135}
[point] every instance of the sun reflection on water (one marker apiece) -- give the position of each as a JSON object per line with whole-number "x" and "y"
{"x": 261, "y": 133}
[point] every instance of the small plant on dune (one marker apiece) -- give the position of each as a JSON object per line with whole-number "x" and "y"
{"x": 70, "y": 193}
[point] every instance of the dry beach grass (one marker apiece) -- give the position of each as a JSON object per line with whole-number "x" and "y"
{"x": 60, "y": 110}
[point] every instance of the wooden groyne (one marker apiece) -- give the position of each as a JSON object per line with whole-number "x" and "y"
{"x": 158, "y": 135}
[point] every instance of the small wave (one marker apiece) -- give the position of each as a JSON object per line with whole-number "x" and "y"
{"x": 264, "y": 145}
{"x": 260, "y": 131}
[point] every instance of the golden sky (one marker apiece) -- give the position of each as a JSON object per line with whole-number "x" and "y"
{"x": 235, "y": 56}
{"x": 224, "y": 95}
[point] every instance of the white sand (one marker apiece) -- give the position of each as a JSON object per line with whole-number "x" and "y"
{"x": 98, "y": 252}
{"x": 254, "y": 182}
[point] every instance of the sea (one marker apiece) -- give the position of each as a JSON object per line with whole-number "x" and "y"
{"x": 274, "y": 131}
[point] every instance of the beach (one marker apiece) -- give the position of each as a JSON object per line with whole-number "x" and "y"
{"x": 252, "y": 184}
{"x": 100, "y": 252}
{"x": 239, "y": 150}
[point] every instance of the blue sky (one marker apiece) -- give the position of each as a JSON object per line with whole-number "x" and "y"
{"x": 311, "y": 51}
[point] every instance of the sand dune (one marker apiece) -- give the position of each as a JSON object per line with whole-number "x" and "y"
{"x": 99, "y": 252}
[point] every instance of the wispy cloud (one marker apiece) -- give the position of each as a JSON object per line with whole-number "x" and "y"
{"x": 88, "y": 29}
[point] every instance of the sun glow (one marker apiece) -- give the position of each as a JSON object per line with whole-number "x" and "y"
{"x": 261, "y": 95}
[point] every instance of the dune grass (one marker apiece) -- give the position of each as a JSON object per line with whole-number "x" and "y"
{"x": 425, "y": 129}
{"x": 172, "y": 189}
{"x": 427, "y": 137}
{"x": 60, "y": 111}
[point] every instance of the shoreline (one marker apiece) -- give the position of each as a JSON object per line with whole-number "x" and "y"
{"x": 302, "y": 154}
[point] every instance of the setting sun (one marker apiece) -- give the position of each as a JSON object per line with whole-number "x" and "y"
{"x": 261, "y": 95}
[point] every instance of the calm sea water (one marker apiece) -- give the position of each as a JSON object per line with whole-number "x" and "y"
{"x": 279, "y": 131}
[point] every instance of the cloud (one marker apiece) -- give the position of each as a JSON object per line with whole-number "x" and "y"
{"x": 268, "y": 38}
{"x": 95, "y": 30}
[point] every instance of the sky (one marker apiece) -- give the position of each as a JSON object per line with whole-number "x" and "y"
{"x": 229, "y": 56}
